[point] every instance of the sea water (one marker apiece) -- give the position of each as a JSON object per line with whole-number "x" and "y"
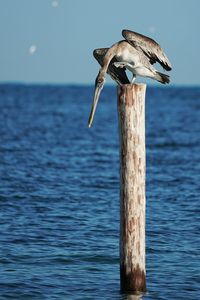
{"x": 59, "y": 193}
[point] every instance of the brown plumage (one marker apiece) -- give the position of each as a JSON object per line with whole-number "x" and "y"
{"x": 150, "y": 48}
{"x": 117, "y": 74}
{"x": 137, "y": 53}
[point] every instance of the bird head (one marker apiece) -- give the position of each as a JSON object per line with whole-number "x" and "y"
{"x": 99, "y": 83}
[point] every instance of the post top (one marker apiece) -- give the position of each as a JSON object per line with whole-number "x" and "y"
{"x": 134, "y": 84}
{"x": 132, "y": 87}
{"x": 129, "y": 93}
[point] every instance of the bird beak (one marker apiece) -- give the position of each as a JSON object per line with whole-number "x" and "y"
{"x": 98, "y": 88}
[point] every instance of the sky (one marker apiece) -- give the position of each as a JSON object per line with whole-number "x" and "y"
{"x": 51, "y": 41}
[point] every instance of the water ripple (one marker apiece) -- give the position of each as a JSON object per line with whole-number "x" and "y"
{"x": 59, "y": 194}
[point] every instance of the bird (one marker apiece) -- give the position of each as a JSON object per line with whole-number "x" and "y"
{"x": 136, "y": 53}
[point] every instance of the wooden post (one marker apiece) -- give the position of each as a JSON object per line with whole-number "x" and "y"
{"x": 131, "y": 114}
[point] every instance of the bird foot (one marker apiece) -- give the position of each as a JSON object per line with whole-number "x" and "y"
{"x": 133, "y": 79}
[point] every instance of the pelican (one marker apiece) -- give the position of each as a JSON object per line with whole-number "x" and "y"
{"x": 136, "y": 53}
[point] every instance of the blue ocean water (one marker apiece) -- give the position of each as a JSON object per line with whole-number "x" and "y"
{"x": 59, "y": 194}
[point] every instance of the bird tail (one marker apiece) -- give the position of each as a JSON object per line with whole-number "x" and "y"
{"x": 162, "y": 77}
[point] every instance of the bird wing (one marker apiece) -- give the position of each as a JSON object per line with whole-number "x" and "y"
{"x": 151, "y": 49}
{"x": 117, "y": 74}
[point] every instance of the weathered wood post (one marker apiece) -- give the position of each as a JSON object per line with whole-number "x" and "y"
{"x": 131, "y": 114}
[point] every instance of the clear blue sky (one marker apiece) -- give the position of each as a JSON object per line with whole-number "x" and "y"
{"x": 51, "y": 41}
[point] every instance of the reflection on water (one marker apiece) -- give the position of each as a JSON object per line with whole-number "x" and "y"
{"x": 132, "y": 297}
